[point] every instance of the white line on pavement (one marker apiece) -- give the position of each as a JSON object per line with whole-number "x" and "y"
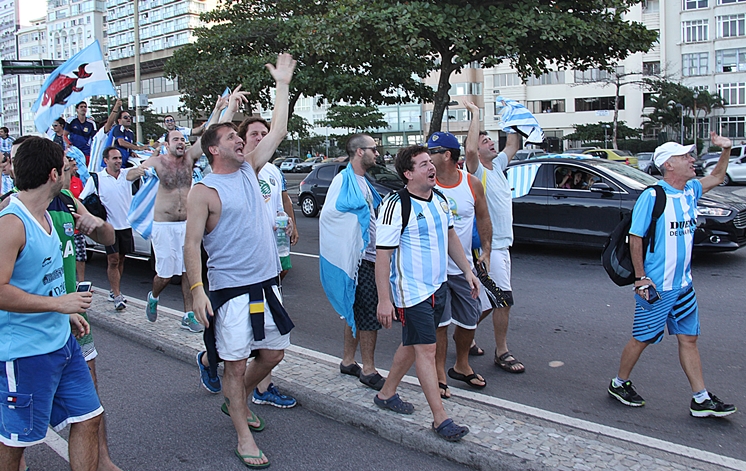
{"x": 57, "y": 444}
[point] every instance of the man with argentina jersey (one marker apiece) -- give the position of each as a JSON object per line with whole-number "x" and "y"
{"x": 411, "y": 261}
{"x": 44, "y": 379}
{"x": 663, "y": 280}
{"x": 466, "y": 200}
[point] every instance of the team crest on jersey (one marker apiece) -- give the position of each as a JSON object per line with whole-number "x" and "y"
{"x": 272, "y": 181}
{"x": 444, "y": 206}
{"x": 454, "y": 209}
{"x": 69, "y": 229}
{"x": 266, "y": 190}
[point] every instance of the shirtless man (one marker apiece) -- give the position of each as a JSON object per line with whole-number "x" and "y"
{"x": 174, "y": 170}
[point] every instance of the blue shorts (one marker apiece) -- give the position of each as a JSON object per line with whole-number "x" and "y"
{"x": 54, "y": 389}
{"x": 676, "y": 309}
{"x": 418, "y": 322}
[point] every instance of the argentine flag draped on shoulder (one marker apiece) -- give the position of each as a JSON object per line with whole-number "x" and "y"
{"x": 343, "y": 237}
{"x": 83, "y": 76}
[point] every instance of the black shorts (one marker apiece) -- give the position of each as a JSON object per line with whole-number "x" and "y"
{"x": 419, "y": 322}
{"x": 366, "y": 298}
{"x": 123, "y": 243}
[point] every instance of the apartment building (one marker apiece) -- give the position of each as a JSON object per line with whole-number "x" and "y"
{"x": 72, "y": 25}
{"x": 9, "y": 92}
{"x": 32, "y": 45}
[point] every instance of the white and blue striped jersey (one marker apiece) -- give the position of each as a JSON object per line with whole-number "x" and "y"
{"x": 670, "y": 266}
{"x": 420, "y": 258}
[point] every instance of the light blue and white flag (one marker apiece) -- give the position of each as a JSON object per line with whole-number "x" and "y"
{"x": 343, "y": 237}
{"x": 140, "y": 215}
{"x": 79, "y": 157}
{"x": 521, "y": 178}
{"x": 100, "y": 141}
{"x": 514, "y": 117}
{"x": 82, "y": 76}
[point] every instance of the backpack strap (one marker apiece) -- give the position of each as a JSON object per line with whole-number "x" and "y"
{"x": 658, "y": 207}
{"x": 406, "y": 207}
{"x": 68, "y": 201}
{"x": 94, "y": 175}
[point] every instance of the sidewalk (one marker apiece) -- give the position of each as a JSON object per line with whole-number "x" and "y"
{"x": 504, "y": 435}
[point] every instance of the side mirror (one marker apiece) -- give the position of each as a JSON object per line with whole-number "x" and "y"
{"x": 601, "y": 187}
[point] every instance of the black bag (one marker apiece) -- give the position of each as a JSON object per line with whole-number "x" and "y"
{"x": 616, "y": 256}
{"x": 93, "y": 203}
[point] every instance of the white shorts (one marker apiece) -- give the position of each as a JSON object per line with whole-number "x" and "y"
{"x": 168, "y": 246}
{"x": 234, "y": 337}
{"x": 500, "y": 273}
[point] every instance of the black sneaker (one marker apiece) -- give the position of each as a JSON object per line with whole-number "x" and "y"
{"x": 626, "y": 394}
{"x": 712, "y": 407}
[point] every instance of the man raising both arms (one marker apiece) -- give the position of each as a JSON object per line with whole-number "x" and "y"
{"x": 484, "y": 162}
{"x": 174, "y": 170}
{"x": 226, "y": 212}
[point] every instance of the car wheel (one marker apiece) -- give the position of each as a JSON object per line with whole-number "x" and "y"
{"x": 308, "y": 206}
{"x": 726, "y": 180}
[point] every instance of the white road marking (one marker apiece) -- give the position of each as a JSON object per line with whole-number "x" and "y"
{"x": 57, "y": 444}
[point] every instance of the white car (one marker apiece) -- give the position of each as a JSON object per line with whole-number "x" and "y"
{"x": 290, "y": 165}
{"x": 736, "y": 171}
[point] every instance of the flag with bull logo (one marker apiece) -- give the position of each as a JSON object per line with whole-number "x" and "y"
{"x": 82, "y": 76}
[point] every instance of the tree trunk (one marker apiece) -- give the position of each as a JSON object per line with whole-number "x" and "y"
{"x": 442, "y": 98}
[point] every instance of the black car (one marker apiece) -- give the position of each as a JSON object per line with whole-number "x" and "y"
{"x": 557, "y": 212}
{"x": 313, "y": 188}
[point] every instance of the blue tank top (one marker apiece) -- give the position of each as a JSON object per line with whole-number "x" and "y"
{"x": 38, "y": 270}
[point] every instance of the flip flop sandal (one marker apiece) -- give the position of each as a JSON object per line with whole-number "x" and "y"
{"x": 450, "y": 431}
{"x": 467, "y": 378}
{"x": 243, "y": 459}
{"x": 395, "y": 404}
{"x": 249, "y": 420}
{"x": 352, "y": 370}
{"x": 444, "y": 390}
{"x": 374, "y": 381}
{"x": 475, "y": 351}
{"x": 507, "y": 365}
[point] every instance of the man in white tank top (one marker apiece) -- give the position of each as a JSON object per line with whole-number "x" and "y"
{"x": 466, "y": 201}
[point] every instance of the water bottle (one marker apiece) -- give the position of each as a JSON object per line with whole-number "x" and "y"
{"x": 283, "y": 241}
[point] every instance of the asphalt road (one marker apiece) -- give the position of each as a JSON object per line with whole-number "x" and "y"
{"x": 159, "y": 417}
{"x": 567, "y": 313}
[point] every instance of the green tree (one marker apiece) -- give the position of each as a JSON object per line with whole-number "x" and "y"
{"x": 151, "y": 129}
{"x": 531, "y": 35}
{"x": 356, "y": 117}
{"x": 337, "y": 62}
{"x": 595, "y": 131}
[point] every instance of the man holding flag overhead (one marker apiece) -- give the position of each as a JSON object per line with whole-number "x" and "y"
{"x": 82, "y": 76}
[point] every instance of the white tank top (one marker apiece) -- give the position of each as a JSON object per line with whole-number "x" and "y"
{"x": 461, "y": 201}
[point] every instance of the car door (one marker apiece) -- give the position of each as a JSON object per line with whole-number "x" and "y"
{"x": 529, "y": 211}
{"x": 585, "y": 215}
{"x": 324, "y": 176}
{"x": 737, "y": 169}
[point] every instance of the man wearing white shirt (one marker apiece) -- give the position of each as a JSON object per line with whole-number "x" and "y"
{"x": 115, "y": 191}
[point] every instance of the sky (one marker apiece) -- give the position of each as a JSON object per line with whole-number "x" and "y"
{"x": 32, "y": 10}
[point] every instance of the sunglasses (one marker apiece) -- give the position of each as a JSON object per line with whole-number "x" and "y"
{"x": 437, "y": 150}
{"x": 126, "y": 117}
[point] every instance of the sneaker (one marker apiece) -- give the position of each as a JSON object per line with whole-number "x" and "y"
{"x": 273, "y": 397}
{"x": 626, "y": 394}
{"x": 211, "y": 384}
{"x": 111, "y": 297}
{"x": 119, "y": 303}
{"x": 189, "y": 323}
{"x": 712, "y": 407}
{"x": 151, "y": 310}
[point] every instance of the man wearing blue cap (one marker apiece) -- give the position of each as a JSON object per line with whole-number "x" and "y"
{"x": 663, "y": 278}
{"x": 466, "y": 201}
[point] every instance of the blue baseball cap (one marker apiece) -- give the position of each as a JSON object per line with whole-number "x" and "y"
{"x": 443, "y": 139}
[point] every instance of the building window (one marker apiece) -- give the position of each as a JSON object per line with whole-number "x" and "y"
{"x": 694, "y": 31}
{"x": 733, "y": 93}
{"x": 549, "y": 78}
{"x": 732, "y": 126}
{"x": 506, "y": 80}
{"x": 651, "y": 6}
{"x": 728, "y": 2}
{"x": 731, "y": 60}
{"x": 466, "y": 88}
{"x": 596, "y": 75}
{"x": 694, "y": 64}
{"x": 545, "y": 106}
{"x": 694, "y": 4}
{"x": 730, "y": 26}
{"x": 597, "y": 103}
{"x": 651, "y": 68}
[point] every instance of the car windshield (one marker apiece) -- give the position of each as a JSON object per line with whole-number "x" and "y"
{"x": 382, "y": 174}
{"x": 645, "y": 156}
{"x": 626, "y": 175}
{"x": 624, "y": 153}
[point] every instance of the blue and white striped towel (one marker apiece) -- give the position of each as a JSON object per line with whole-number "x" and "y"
{"x": 515, "y": 117}
{"x": 79, "y": 157}
{"x": 140, "y": 215}
{"x": 100, "y": 141}
{"x": 521, "y": 178}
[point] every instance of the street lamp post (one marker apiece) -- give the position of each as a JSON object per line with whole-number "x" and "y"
{"x": 681, "y": 107}
{"x": 605, "y": 126}
{"x": 695, "y": 96}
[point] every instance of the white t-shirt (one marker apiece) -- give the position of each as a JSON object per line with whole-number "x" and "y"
{"x": 270, "y": 184}
{"x": 370, "y": 250}
{"x": 499, "y": 201}
{"x": 115, "y": 194}
{"x": 461, "y": 201}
